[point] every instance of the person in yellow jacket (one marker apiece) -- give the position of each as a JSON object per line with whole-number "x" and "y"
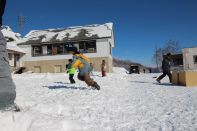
{"x": 71, "y": 71}
{"x": 82, "y": 62}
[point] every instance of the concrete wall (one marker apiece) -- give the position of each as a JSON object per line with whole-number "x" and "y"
{"x": 57, "y": 66}
{"x": 185, "y": 78}
{"x": 188, "y": 58}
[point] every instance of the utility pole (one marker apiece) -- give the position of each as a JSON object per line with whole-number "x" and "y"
{"x": 21, "y": 22}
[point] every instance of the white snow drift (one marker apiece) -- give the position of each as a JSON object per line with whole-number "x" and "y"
{"x": 124, "y": 103}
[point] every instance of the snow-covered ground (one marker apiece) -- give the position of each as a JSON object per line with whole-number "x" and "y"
{"x": 124, "y": 103}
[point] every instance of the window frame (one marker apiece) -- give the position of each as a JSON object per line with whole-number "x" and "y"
{"x": 54, "y": 48}
{"x": 195, "y": 59}
{"x": 84, "y": 47}
{"x": 10, "y": 56}
{"x": 33, "y": 50}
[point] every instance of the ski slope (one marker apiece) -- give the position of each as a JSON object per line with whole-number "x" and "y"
{"x": 124, "y": 103}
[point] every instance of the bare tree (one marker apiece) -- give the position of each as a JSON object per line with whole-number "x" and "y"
{"x": 171, "y": 46}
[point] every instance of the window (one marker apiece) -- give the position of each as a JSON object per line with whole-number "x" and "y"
{"x": 10, "y": 56}
{"x": 17, "y": 56}
{"x": 60, "y": 49}
{"x": 37, "y": 69}
{"x": 37, "y": 50}
{"x": 91, "y": 46}
{"x": 82, "y": 47}
{"x": 54, "y": 50}
{"x": 58, "y": 69}
{"x": 67, "y": 47}
{"x": 195, "y": 59}
{"x": 49, "y": 49}
{"x": 87, "y": 47}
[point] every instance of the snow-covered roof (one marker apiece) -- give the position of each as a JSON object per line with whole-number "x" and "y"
{"x": 9, "y": 34}
{"x": 13, "y": 37}
{"x": 13, "y": 47}
{"x": 69, "y": 34}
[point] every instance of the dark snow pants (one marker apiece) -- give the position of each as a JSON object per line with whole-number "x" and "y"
{"x": 87, "y": 79}
{"x": 7, "y": 87}
{"x": 103, "y": 73}
{"x": 168, "y": 73}
{"x": 71, "y": 78}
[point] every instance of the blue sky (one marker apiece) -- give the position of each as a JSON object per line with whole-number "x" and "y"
{"x": 139, "y": 25}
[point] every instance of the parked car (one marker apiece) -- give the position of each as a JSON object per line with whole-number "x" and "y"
{"x": 134, "y": 69}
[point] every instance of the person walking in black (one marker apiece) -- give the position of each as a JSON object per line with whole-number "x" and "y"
{"x": 166, "y": 68}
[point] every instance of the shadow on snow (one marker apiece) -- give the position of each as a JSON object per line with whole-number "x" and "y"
{"x": 161, "y": 84}
{"x": 167, "y": 84}
{"x": 140, "y": 82}
{"x": 64, "y": 86}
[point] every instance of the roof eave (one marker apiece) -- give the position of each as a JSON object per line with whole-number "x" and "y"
{"x": 52, "y": 42}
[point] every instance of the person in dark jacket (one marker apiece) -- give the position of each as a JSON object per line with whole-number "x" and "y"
{"x": 71, "y": 71}
{"x": 7, "y": 86}
{"x": 166, "y": 68}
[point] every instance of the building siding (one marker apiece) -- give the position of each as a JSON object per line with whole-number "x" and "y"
{"x": 51, "y": 63}
{"x": 102, "y": 51}
{"x": 188, "y": 58}
{"x": 50, "y": 66}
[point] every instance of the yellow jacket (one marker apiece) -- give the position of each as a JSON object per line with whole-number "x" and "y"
{"x": 80, "y": 61}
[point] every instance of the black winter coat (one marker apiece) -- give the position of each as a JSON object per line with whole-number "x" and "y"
{"x": 166, "y": 65}
{"x": 2, "y": 7}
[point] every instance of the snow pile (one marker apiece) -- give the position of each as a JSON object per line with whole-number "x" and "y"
{"x": 12, "y": 39}
{"x": 71, "y": 33}
{"x": 9, "y": 34}
{"x": 125, "y": 102}
{"x": 119, "y": 70}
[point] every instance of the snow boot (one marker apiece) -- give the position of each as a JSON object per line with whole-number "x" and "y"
{"x": 158, "y": 80}
{"x": 95, "y": 85}
{"x": 12, "y": 107}
{"x": 16, "y": 108}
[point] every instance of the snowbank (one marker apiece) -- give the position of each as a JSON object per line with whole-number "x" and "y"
{"x": 124, "y": 103}
{"x": 8, "y": 33}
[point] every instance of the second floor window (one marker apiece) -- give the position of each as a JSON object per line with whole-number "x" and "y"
{"x": 37, "y": 50}
{"x": 67, "y": 47}
{"x": 195, "y": 59}
{"x": 49, "y": 49}
{"x": 60, "y": 49}
{"x": 87, "y": 47}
